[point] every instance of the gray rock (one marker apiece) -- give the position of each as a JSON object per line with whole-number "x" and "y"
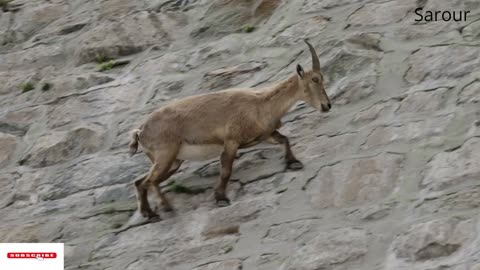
{"x": 30, "y": 20}
{"x": 371, "y": 212}
{"x": 351, "y": 74}
{"x": 113, "y": 39}
{"x": 227, "y": 220}
{"x": 428, "y": 131}
{"x": 290, "y": 231}
{"x": 326, "y": 146}
{"x": 293, "y": 34}
{"x": 316, "y": 6}
{"x": 377, "y": 111}
{"x": 330, "y": 250}
{"x": 450, "y": 201}
{"x": 470, "y": 93}
{"x": 472, "y": 31}
{"x": 373, "y": 14}
{"x": 8, "y": 147}
{"x": 7, "y": 194}
{"x": 62, "y": 146}
{"x": 442, "y": 62}
{"x": 225, "y": 78}
{"x": 425, "y": 101}
{"x": 355, "y": 181}
{"x": 454, "y": 167}
{"x": 235, "y": 15}
{"x": 103, "y": 170}
{"x": 41, "y": 55}
{"x": 223, "y": 265}
{"x": 18, "y": 122}
{"x": 433, "y": 239}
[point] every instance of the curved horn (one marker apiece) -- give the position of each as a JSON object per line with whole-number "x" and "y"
{"x": 315, "y": 60}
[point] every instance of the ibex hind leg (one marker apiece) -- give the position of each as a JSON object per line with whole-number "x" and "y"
{"x": 141, "y": 189}
{"x": 162, "y": 162}
{"x": 162, "y": 200}
{"x": 226, "y": 162}
{"x": 165, "y": 166}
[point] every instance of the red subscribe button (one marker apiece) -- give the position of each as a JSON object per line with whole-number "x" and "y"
{"x": 31, "y": 255}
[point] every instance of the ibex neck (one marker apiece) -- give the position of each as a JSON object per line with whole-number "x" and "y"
{"x": 282, "y": 97}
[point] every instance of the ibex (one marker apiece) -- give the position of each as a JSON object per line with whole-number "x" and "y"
{"x": 204, "y": 126}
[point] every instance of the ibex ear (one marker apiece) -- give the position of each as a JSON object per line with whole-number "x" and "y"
{"x": 300, "y": 71}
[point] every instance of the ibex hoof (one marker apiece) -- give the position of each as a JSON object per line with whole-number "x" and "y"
{"x": 294, "y": 165}
{"x": 221, "y": 200}
{"x": 148, "y": 213}
{"x": 154, "y": 216}
{"x": 223, "y": 203}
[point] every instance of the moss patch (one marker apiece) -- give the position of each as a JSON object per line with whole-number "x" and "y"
{"x": 27, "y": 87}
{"x": 248, "y": 28}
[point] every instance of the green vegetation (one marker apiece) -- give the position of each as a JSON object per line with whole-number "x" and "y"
{"x": 106, "y": 66}
{"x": 248, "y": 28}
{"x": 104, "y": 62}
{"x": 26, "y": 87}
{"x": 46, "y": 86}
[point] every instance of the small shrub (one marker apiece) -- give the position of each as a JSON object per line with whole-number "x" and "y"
{"x": 248, "y": 28}
{"x": 46, "y": 86}
{"x": 28, "y": 86}
{"x": 106, "y": 66}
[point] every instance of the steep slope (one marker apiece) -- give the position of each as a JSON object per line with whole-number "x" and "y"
{"x": 391, "y": 178}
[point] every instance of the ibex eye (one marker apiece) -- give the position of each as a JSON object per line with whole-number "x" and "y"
{"x": 315, "y": 79}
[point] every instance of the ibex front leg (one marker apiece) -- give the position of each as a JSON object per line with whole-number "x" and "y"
{"x": 226, "y": 160}
{"x": 291, "y": 161}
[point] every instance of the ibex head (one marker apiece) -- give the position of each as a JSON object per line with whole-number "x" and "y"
{"x": 312, "y": 84}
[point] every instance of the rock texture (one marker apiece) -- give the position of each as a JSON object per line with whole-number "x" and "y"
{"x": 391, "y": 177}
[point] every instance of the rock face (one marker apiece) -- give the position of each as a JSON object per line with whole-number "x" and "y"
{"x": 353, "y": 182}
{"x": 390, "y": 178}
{"x": 433, "y": 239}
{"x": 8, "y": 145}
{"x": 422, "y": 69}
{"x": 63, "y": 146}
{"x": 128, "y": 36}
{"x": 327, "y": 250}
{"x": 429, "y": 241}
{"x": 373, "y": 14}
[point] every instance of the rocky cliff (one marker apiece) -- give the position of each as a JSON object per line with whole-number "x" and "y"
{"x": 391, "y": 178}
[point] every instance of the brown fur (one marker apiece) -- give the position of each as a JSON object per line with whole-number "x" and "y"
{"x": 233, "y": 119}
